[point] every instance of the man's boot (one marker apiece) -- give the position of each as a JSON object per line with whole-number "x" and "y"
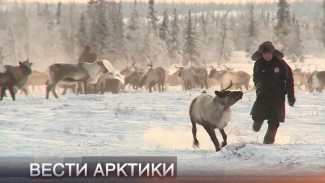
{"x": 269, "y": 137}
{"x": 257, "y": 125}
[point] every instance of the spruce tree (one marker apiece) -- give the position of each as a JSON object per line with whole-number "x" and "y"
{"x": 190, "y": 51}
{"x": 121, "y": 45}
{"x": 116, "y": 32}
{"x": 163, "y": 28}
{"x": 283, "y": 27}
{"x": 173, "y": 42}
{"x": 204, "y": 28}
{"x": 296, "y": 51}
{"x": 251, "y": 40}
{"x": 135, "y": 35}
{"x": 102, "y": 28}
{"x": 82, "y": 32}
{"x": 224, "y": 50}
{"x": 322, "y": 28}
{"x": 58, "y": 13}
{"x": 152, "y": 15}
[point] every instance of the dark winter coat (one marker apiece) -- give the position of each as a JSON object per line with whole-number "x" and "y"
{"x": 273, "y": 80}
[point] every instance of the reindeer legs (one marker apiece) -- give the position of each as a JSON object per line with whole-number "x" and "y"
{"x": 12, "y": 92}
{"x": 213, "y": 136}
{"x": 3, "y": 92}
{"x": 52, "y": 89}
{"x": 196, "y": 142}
{"x": 224, "y": 136}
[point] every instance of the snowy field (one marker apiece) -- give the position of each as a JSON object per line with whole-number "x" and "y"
{"x": 140, "y": 123}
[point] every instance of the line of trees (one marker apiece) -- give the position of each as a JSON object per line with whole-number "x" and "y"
{"x": 49, "y": 34}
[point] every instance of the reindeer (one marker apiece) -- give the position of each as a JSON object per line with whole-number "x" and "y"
{"x": 133, "y": 78}
{"x": 83, "y": 72}
{"x": 300, "y": 78}
{"x": 126, "y": 71}
{"x": 238, "y": 78}
{"x": 213, "y": 112}
{"x": 316, "y": 81}
{"x": 173, "y": 79}
{"x": 37, "y": 78}
{"x": 14, "y": 76}
{"x": 193, "y": 76}
{"x": 153, "y": 77}
{"x": 202, "y": 76}
{"x": 109, "y": 83}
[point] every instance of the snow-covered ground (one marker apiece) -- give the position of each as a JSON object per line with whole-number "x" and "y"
{"x": 141, "y": 123}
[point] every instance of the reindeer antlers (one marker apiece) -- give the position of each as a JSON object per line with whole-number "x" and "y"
{"x": 230, "y": 85}
{"x": 133, "y": 65}
{"x": 150, "y": 65}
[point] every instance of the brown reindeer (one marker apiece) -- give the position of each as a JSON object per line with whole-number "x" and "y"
{"x": 174, "y": 79}
{"x": 36, "y": 79}
{"x": 300, "y": 78}
{"x": 14, "y": 76}
{"x": 153, "y": 77}
{"x": 239, "y": 78}
{"x": 193, "y": 77}
{"x": 316, "y": 81}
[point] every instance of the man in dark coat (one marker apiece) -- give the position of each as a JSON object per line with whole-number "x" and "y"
{"x": 273, "y": 80}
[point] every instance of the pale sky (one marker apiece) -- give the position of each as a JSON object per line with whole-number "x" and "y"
{"x": 157, "y": 1}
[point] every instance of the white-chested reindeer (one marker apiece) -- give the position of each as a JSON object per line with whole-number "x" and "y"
{"x": 82, "y": 72}
{"x": 213, "y": 112}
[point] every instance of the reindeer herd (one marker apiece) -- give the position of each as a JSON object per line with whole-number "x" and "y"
{"x": 212, "y": 112}
{"x": 100, "y": 77}
{"x": 309, "y": 81}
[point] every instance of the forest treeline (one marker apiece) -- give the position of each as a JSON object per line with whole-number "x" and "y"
{"x": 162, "y": 34}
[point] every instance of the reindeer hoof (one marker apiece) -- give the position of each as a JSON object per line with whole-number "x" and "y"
{"x": 196, "y": 144}
{"x": 224, "y": 144}
{"x": 218, "y": 149}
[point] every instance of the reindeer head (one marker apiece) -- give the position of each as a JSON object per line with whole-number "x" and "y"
{"x": 26, "y": 64}
{"x": 103, "y": 67}
{"x": 179, "y": 71}
{"x": 228, "y": 98}
{"x": 212, "y": 72}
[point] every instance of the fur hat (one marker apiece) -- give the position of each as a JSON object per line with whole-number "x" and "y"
{"x": 267, "y": 47}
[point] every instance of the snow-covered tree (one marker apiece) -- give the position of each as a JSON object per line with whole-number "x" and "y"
{"x": 296, "y": 50}
{"x": 251, "y": 40}
{"x": 152, "y": 15}
{"x": 117, "y": 49}
{"x": 163, "y": 28}
{"x": 322, "y": 28}
{"x": 283, "y": 27}
{"x": 225, "y": 48}
{"x": 58, "y": 13}
{"x": 135, "y": 35}
{"x": 174, "y": 40}
{"x": 82, "y": 36}
{"x": 190, "y": 50}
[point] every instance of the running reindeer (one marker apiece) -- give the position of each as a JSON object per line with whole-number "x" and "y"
{"x": 213, "y": 112}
